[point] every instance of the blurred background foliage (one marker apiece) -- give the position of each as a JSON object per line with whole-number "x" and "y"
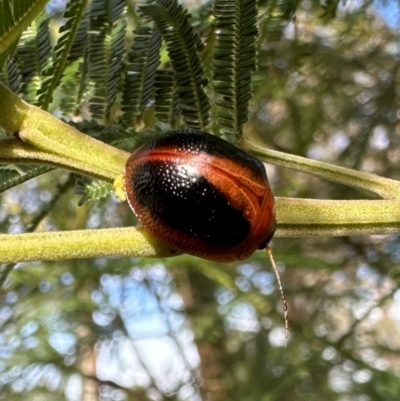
{"x": 327, "y": 87}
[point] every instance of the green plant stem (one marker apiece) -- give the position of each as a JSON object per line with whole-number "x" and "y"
{"x": 384, "y": 187}
{"x": 15, "y": 151}
{"x": 296, "y": 218}
{"x": 80, "y": 244}
{"x": 50, "y": 141}
{"x": 314, "y": 217}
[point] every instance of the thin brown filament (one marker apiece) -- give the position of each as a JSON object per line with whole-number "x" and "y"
{"x": 284, "y": 303}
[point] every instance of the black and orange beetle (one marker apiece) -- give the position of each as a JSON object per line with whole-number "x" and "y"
{"x": 201, "y": 195}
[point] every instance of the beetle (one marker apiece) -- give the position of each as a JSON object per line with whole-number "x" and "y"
{"x": 201, "y": 195}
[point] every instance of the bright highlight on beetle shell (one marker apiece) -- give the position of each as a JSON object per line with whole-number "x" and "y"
{"x": 201, "y": 195}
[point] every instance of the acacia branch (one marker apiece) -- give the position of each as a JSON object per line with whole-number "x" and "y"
{"x": 296, "y": 218}
{"x": 384, "y": 187}
{"x": 14, "y": 151}
{"x": 332, "y": 218}
{"x": 75, "y": 244}
{"x": 42, "y": 138}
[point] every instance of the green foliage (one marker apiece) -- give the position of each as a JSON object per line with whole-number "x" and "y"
{"x": 5, "y": 56}
{"x": 52, "y": 76}
{"x": 32, "y": 56}
{"x": 75, "y": 82}
{"x": 7, "y": 18}
{"x": 92, "y": 189}
{"x": 166, "y": 98}
{"x": 105, "y": 55}
{"x": 93, "y": 69}
{"x": 12, "y": 175}
{"x": 15, "y": 17}
{"x": 12, "y": 77}
{"x": 234, "y": 62}
{"x": 97, "y": 70}
{"x": 183, "y": 45}
{"x": 142, "y": 63}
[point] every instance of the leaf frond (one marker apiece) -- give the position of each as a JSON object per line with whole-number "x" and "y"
{"x": 107, "y": 10}
{"x": 32, "y": 56}
{"x": 15, "y": 17}
{"x": 74, "y": 85}
{"x": 142, "y": 63}
{"x": 105, "y": 58}
{"x": 5, "y": 56}
{"x": 166, "y": 99}
{"x": 73, "y": 14}
{"x": 12, "y": 175}
{"x": 11, "y": 76}
{"x": 183, "y": 45}
{"x": 92, "y": 189}
{"x": 234, "y": 61}
{"x": 80, "y": 44}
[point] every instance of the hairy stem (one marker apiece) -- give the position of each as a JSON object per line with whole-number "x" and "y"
{"x": 80, "y": 244}
{"x": 48, "y": 140}
{"x": 296, "y": 217}
{"x": 15, "y": 151}
{"x": 312, "y": 217}
{"x": 384, "y": 187}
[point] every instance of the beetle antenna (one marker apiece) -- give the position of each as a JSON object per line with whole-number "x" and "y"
{"x": 284, "y": 303}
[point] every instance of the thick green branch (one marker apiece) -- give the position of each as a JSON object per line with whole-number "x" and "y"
{"x": 15, "y": 151}
{"x": 296, "y": 217}
{"x": 80, "y": 244}
{"x": 312, "y": 217}
{"x": 384, "y": 187}
{"x": 50, "y": 141}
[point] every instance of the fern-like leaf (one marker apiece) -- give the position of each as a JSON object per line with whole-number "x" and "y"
{"x": 142, "y": 63}
{"x": 12, "y": 77}
{"x": 166, "y": 100}
{"x": 234, "y": 61}
{"x": 32, "y": 56}
{"x": 73, "y": 15}
{"x": 92, "y": 189}
{"x": 74, "y": 86}
{"x": 12, "y": 175}
{"x": 5, "y": 56}
{"x": 79, "y": 46}
{"x": 107, "y": 36}
{"x": 107, "y": 10}
{"x": 183, "y": 45}
{"x": 15, "y": 17}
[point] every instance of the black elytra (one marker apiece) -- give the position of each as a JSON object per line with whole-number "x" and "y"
{"x": 201, "y": 195}
{"x": 189, "y": 203}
